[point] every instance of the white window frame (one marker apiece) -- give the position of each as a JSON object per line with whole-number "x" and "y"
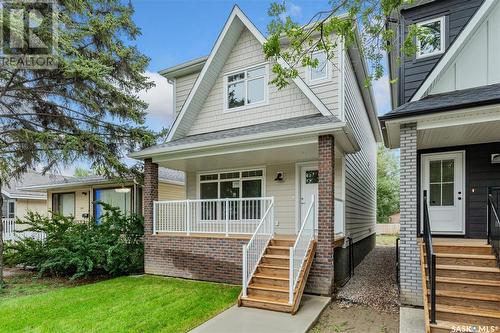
{"x": 442, "y": 21}
{"x": 309, "y": 70}
{"x": 240, "y": 179}
{"x": 246, "y": 70}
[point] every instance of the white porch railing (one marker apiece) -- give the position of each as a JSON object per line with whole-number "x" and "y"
{"x": 299, "y": 250}
{"x": 13, "y": 231}
{"x": 254, "y": 249}
{"x": 220, "y": 216}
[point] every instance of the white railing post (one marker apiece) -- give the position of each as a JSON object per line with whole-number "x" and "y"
{"x": 227, "y": 217}
{"x": 291, "y": 274}
{"x": 244, "y": 291}
{"x": 155, "y": 205}
{"x": 272, "y": 217}
{"x": 188, "y": 217}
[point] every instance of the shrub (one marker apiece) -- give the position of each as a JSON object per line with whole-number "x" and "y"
{"x": 112, "y": 247}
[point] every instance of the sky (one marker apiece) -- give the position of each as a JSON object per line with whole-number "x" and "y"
{"x": 177, "y": 31}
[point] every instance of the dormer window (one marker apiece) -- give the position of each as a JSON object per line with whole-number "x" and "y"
{"x": 319, "y": 72}
{"x": 432, "y": 43}
{"x": 246, "y": 88}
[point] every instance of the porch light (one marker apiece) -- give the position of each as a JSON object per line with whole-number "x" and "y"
{"x": 495, "y": 158}
{"x": 122, "y": 190}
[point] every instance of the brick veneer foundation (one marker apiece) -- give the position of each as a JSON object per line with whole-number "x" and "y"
{"x": 321, "y": 276}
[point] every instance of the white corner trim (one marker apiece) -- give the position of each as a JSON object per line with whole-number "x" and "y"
{"x": 455, "y": 48}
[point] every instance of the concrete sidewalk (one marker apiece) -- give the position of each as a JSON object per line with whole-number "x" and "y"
{"x": 248, "y": 320}
{"x": 411, "y": 320}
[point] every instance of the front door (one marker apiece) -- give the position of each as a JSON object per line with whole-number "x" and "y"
{"x": 309, "y": 179}
{"x": 443, "y": 182}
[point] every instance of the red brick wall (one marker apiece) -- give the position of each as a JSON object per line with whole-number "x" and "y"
{"x": 200, "y": 258}
{"x": 320, "y": 279}
{"x": 149, "y": 193}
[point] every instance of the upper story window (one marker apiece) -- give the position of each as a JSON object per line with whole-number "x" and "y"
{"x": 319, "y": 72}
{"x": 246, "y": 88}
{"x": 432, "y": 43}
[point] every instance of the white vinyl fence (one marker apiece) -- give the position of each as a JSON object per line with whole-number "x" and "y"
{"x": 387, "y": 228}
{"x": 13, "y": 231}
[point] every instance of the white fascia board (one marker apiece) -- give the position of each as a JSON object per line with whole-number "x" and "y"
{"x": 214, "y": 144}
{"x": 454, "y": 49}
{"x": 260, "y": 37}
{"x": 75, "y": 184}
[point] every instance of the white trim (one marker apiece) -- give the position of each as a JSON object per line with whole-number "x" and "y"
{"x": 218, "y": 180}
{"x": 453, "y": 50}
{"x": 258, "y": 35}
{"x": 246, "y": 106}
{"x": 174, "y": 97}
{"x": 464, "y": 191}
{"x": 342, "y": 82}
{"x": 41, "y": 196}
{"x": 442, "y": 46}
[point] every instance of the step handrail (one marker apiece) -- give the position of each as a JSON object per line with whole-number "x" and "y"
{"x": 299, "y": 250}
{"x": 431, "y": 260}
{"x": 493, "y": 227}
{"x": 256, "y": 246}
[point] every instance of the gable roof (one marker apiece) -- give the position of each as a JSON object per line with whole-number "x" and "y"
{"x": 164, "y": 176}
{"x": 14, "y": 189}
{"x": 236, "y": 22}
{"x": 454, "y": 50}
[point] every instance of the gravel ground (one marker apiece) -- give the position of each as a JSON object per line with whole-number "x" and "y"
{"x": 374, "y": 282}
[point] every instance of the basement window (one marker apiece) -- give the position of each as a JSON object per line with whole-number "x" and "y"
{"x": 432, "y": 42}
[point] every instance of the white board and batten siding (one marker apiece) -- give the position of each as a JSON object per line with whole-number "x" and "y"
{"x": 477, "y": 62}
{"x": 360, "y": 173}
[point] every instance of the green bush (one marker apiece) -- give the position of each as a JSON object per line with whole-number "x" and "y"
{"x": 112, "y": 247}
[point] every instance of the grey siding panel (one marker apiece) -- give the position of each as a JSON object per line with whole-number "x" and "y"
{"x": 360, "y": 186}
{"x": 413, "y": 72}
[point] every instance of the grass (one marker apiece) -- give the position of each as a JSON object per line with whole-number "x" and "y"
{"x": 386, "y": 240}
{"x": 125, "y": 304}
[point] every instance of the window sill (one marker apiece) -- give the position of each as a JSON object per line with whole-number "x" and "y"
{"x": 246, "y": 107}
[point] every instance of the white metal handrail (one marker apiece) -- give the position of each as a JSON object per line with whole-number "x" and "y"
{"x": 221, "y": 216}
{"x": 299, "y": 250}
{"x": 254, "y": 249}
{"x": 9, "y": 227}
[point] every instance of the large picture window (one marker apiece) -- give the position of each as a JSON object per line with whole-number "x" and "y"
{"x": 246, "y": 88}
{"x": 231, "y": 185}
{"x": 433, "y": 38}
{"x": 117, "y": 197}
{"x": 63, "y": 203}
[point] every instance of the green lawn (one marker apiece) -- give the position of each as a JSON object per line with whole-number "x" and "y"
{"x": 125, "y": 304}
{"x": 386, "y": 240}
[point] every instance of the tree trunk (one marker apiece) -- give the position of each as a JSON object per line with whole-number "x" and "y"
{"x": 1, "y": 239}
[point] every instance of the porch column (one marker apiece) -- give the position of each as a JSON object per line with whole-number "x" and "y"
{"x": 321, "y": 276}
{"x": 410, "y": 276}
{"x": 149, "y": 194}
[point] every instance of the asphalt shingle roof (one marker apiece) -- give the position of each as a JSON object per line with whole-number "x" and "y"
{"x": 13, "y": 187}
{"x": 277, "y": 125}
{"x": 453, "y": 100}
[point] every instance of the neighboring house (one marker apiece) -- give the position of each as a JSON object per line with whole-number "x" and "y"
{"x": 17, "y": 202}
{"x": 395, "y": 218}
{"x": 76, "y": 196}
{"x": 255, "y": 157}
{"x": 446, "y": 122}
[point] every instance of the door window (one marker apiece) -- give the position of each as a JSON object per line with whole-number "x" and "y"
{"x": 441, "y": 183}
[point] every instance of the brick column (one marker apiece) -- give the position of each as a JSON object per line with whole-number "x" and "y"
{"x": 411, "y": 281}
{"x": 321, "y": 276}
{"x": 149, "y": 194}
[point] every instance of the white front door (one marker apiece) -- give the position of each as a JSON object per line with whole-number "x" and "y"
{"x": 309, "y": 179}
{"x": 443, "y": 182}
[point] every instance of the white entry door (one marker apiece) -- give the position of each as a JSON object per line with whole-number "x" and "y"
{"x": 309, "y": 179}
{"x": 443, "y": 181}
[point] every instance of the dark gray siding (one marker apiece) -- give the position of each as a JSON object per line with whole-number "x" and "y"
{"x": 479, "y": 175}
{"x": 414, "y": 71}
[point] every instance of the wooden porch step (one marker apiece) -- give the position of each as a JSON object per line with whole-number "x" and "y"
{"x": 275, "y": 249}
{"x": 276, "y": 259}
{"x": 268, "y": 287}
{"x": 475, "y": 300}
{"x": 469, "y": 285}
{"x": 469, "y": 272}
{"x": 277, "y": 256}
{"x": 270, "y": 277}
{"x": 464, "y": 248}
{"x": 443, "y": 326}
{"x": 485, "y": 260}
{"x": 268, "y": 303}
{"x": 453, "y": 313}
{"x": 268, "y": 290}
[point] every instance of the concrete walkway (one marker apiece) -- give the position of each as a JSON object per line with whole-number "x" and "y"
{"x": 411, "y": 320}
{"x": 248, "y": 320}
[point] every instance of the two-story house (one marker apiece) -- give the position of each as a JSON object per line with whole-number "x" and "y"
{"x": 446, "y": 122}
{"x": 279, "y": 181}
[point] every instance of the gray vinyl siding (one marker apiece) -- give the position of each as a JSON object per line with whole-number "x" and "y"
{"x": 360, "y": 175}
{"x": 414, "y": 71}
{"x": 183, "y": 86}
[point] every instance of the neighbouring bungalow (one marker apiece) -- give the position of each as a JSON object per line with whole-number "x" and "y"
{"x": 77, "y": 196}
